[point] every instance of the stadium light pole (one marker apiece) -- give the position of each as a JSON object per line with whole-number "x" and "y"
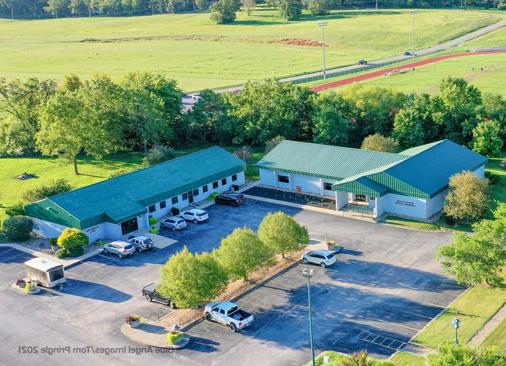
{"x": 322, "y": 25}
{"x": 413, "y": 14}
{"x": 308, "y": 273}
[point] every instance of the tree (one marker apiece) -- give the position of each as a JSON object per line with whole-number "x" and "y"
{"x": 190, "y": 279}
{"x": 242, "y": 252}
{"x": 289, "y": 9}
{"x": 477, "y": 258}
{"x": 17, "y": 228}
{"x": 223, "y": 11}
{"x": 281, "y": 233}
{"x": 158, "y": 154}
{"x": 20, "y": 102}
{"x": 272, "y": 143}
{"x": 379, "y": 142}
{"x": 494, "y": 106}
{"x": 467, "y": 199}
{"x": 408, "y": 128}
{"x": 57, "y": 7}
{"x": 71, "y": 242}
{"x": 85, "y": 120}
{"x": 331, "y": 120}
{"x": 486, "y": 138}
{"x": 318, "y": 7}
{"x": 201, "y": 4}
{"x": 249, "y": 4}
{"x": 456, "y": 109}
{"x": 269, "y": 108}
{"x": 57, "y": 186}
{"x": 449, "y": 354}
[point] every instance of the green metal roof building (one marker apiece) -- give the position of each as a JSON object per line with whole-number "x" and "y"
{"x": 412, "y": 183}
{"x": 117, "y": 206}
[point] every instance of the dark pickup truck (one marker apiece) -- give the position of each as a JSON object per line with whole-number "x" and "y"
{"x": 151, "y": 294}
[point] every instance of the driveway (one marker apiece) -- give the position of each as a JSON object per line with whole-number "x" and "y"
{"x": 386, "y": 284}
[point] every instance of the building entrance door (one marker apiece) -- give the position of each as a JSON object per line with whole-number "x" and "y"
{"x": 190, "y": 197}
{"x": 129, "y": 226}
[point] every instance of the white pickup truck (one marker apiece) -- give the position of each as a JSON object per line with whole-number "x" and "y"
{"x": 229, "y": 314}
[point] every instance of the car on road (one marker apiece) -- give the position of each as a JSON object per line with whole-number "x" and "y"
{"x": 228, "y": 313}
{"x": 195, "y": 215}
{"x": 120, "y": 248}
{"x": 173, "y": 223}
{"x": 323, "y": 258}
{"x": 141, "y": 243}
{"x": 362, "y": 62}
{"x": 151, "y": 293}
{"x": 231, "y": 199}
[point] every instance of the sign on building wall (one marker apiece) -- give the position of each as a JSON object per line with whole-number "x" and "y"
{"x": 405, "y": 203}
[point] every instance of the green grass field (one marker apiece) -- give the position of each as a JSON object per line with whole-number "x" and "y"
{"x": 497, "y": 338}
{"x": 407, "y": 359}
{"x": 198, "y": 53}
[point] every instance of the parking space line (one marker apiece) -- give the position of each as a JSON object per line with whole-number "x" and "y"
{"x": 379, "y": 340}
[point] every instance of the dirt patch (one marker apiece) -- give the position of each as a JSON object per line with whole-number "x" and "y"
{"x": 184, "y": 317}
{"x": 300, "y": 42}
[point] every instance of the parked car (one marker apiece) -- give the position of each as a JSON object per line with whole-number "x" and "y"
{"x": 119, "y": 248}
{"x": 195, "y": 215}
{"x": 323, "y": 258}
{"x": 228, "y": 313}
{"x": 151, "y": 294}
{"x": 141, "y": 243}
{"x": 173, "y": 223}
{"x": 362, "y": 62}
{"x": 232, "y": 199}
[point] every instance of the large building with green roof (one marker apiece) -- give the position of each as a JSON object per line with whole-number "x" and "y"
{"x": 412, "y": 183}
{"x": 119, "y": 206}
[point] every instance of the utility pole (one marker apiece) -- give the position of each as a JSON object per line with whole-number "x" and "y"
{"x": 413, "y": 14}
{"x": 308, "y": 274}
{"x": 322, "y": 25}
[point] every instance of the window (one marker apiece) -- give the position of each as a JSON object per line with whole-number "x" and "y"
{"x": 215, "y": 184}
{"x": 283, "y": 179}
{"x": 185, "y": 196}
{"x": 224, "y": 181}
{"x": 163, "y": 204}
{"x": 152, "y": 208}
{"x": 234, "y": 177}
{"x": 327, "y": 186}
{"x": 360, "y": 198}
{"x": 205, "y": 188}
{"x": 196, "y": 192}
{"x": 174, "y": 200}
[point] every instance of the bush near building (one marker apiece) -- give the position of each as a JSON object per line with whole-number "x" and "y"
{"x": 57, "y": 186}
{"x": 449, "y": 354}
{"x": 71, "y": 242}
{"x": 17, "y": 228}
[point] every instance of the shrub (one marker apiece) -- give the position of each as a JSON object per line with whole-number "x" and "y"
{"x": 272, "y": 143}
{"x": 378, "y": 142}
{"x": 118, "y": 172}
{"x": 467, "y": 199}
{"x": 174, "y": 337}
{"x": 158, "y": 154}
{"x": 154, "y": 231}
{"x": 17, "y": 228}
{"x": 72, "y": 242}
{"x": 53, "y": 242}
{"x": 55, "y": 187}
{"x": 17, "y": 210}
{"x": 243, "y": 153}
{"x": 449, "y": 354}
{"x": 152, "y": 221}
{"x": 99, "y": 242}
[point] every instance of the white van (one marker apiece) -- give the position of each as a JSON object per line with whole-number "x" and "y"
{"x": 45, "y": 272}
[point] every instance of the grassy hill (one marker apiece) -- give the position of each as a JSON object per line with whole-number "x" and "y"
{"x": 201, "y": 54}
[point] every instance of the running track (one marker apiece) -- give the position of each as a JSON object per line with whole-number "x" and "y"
{"x": 381, "y": 72}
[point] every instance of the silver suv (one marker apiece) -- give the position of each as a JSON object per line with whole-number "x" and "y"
{"x": 141, "y": 243}
{"x": 119, "y": 248}
{"x": 174, "y": 223}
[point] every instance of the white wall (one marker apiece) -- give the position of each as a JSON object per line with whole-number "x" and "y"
{"x": 47, "y": 229}
{"x": 341, "y": 199}
{"x": 307, "y": 184}
{"x": 268, "y": 177}
{"x": 436, "y": 204}
{"x": 404, "y": 205}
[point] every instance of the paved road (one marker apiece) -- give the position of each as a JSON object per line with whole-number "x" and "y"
{"x": 189, "y": 101}
{"x": 383, "y": 270}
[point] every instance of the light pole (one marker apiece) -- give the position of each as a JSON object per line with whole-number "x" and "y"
{"x": 322, "y": 25}
{"x": 413, "y": 13}
{"x": 456, "y": 325}
{"x": 308, "y": 273}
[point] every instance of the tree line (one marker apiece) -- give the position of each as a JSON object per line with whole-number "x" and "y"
{"x": 86, "y": 8}
{"x": 100, "y": 116}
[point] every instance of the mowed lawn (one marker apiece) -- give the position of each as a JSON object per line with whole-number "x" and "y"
{"x": 199, "y": 54}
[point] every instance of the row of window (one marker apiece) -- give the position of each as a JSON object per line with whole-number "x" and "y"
{"x": 286, "y": 179}
{"x": 194, "y": 193}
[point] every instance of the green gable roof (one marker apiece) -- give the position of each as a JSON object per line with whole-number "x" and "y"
{"x": 324, "y": 161}
{"x": 126, "y": 196}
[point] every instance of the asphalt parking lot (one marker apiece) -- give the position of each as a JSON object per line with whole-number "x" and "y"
{"x": 384, "y": 288}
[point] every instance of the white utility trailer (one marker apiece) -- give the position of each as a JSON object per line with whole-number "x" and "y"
{"x": 45, "y": 272}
